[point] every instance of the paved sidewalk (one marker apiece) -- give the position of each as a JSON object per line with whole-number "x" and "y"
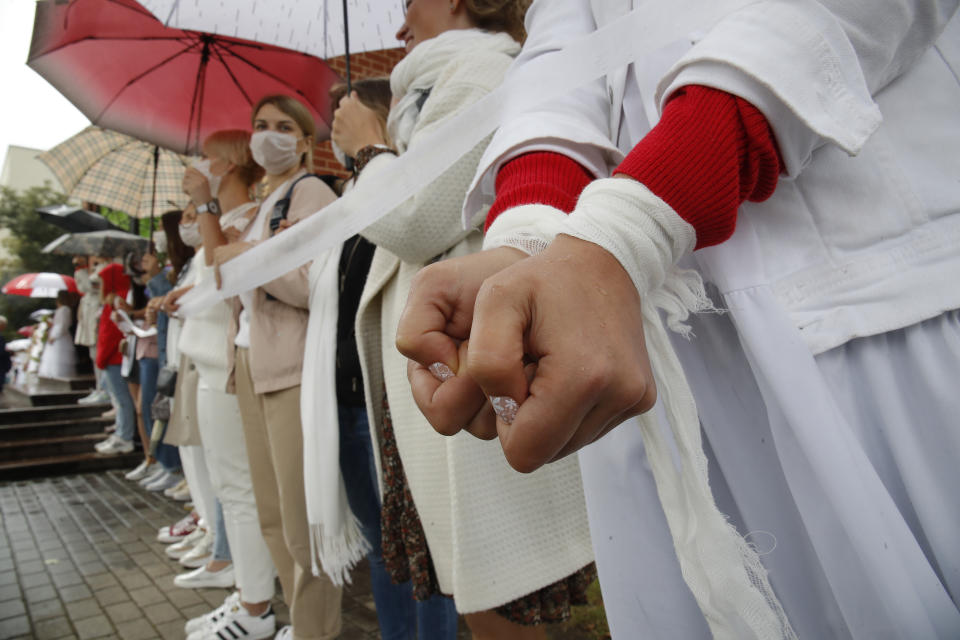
{"x": 79, "y": 559}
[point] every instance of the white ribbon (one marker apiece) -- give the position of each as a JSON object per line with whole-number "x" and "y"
{"x": 633, "y": 37}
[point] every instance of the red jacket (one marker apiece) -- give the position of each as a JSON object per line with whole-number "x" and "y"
{"x": 109, "y": 337}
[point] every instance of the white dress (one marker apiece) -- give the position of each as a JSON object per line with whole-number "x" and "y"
{"x": 59, "y": 358}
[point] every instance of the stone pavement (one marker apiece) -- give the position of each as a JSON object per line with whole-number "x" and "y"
{"x": 79, "y": 559}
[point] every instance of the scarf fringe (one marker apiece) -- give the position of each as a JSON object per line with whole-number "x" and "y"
{"x": 338, "y": 554}
{"x": 683, "y": 292}
{"x": 721, "y": 568}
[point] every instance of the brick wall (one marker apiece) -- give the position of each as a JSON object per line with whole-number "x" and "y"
{"x": 371, "y": 64}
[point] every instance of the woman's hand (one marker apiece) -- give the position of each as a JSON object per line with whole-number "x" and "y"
{"x": 433, "y": 333}
{"x": 196, "y": 186}
{"x": 572, "y": 311}
{"x": 169, "y": 301}
{"x": 575, "y": 312}
{"x": 225, "y": 253}
{"x": 355, "y": 126}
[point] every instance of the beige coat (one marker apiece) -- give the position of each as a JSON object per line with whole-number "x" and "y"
{"x": 278, "y": 328}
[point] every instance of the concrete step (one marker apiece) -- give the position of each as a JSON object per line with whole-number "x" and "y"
{"x": 80, "y": 382}
{"x": 43, "y": 393}
{"x": 69, "y": 463}
{"x": 52, "y": 413}
{"x": 53, "y": 429}
{"x": 24, "y": 449}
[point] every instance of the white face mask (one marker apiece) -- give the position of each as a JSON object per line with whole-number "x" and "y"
{"x": 338, "y": 153}
{"x": 190, "y": 234}
{"x": 274, "y": 151}
{"x": 203, "y": 166}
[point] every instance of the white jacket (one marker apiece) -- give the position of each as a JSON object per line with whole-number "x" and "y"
{"x": 844, "y": 234}
{"x": 859, "y": 239}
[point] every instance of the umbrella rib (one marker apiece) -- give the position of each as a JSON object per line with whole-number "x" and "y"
{"x": 229, "y": 71}
{"x": 141, "y": 75}
{"x": 268, "y": 74}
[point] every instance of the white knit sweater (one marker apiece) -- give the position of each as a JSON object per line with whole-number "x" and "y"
{"x": 494, "y": 534}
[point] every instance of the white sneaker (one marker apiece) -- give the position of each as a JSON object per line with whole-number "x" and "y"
{"x": 180, "y": 549}
{"x": 285, "y": 633}
{"x": 201, "y": 553}
{"x": 95, "y": 397}
{"x": 198, "y": 623}
{"x": 115, "y": 444}
{"x": 203, "y": 578}
{"x": 167, "y": 480}
{"x": 104, "y": 443}
{"x": 177, "y": 487}
{"x": 141, "y": 471}
{"x": 237, "y": 624}
{"x": 183, "y": 495}
{"x": 178, "y": 531}
{"x": 154, "y": 474}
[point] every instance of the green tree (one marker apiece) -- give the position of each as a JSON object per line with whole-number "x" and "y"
{"x": 26, "y": 237}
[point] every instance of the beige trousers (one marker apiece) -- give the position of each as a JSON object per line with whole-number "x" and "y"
{"x": 271, "y": 424}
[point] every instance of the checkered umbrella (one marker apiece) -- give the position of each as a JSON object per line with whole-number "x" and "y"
{"x": 117, "y": 171}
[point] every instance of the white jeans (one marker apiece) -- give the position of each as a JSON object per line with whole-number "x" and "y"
{"x": 195, "y": 470}
{"x": 226, "y": 452}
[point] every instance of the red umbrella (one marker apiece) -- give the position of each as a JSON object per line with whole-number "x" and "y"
{"x": 39, "y": 285}
{"x": 126, "y": 71}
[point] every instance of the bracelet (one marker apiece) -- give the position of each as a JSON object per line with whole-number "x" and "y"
{"x": 368, "y": 153}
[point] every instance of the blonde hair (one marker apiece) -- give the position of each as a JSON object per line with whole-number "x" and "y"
{"x": 499, "y": 15}
{"x": 233, "y": 145}
{"x": 300, "y": 114}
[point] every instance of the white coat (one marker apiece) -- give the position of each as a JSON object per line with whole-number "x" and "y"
{"x": 858, "y": 241}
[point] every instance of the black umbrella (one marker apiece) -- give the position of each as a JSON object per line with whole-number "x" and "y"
{"x": 74, "y": 219}
{"x": 110, "y": 243}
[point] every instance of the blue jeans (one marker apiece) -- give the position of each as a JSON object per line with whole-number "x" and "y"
{"x": 168, "y": 456}
{"x": 398, "y": 614}
{"x": 221, "y": 546}
{"x": 116, "y": 386}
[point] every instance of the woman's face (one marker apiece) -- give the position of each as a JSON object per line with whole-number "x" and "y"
{"x": 269, "y": 118}
{"x": 218, "y": 164}
{"x": 427, "y": 19}
{"x": 149, "y": 263}
{"x": 189, "y": 215}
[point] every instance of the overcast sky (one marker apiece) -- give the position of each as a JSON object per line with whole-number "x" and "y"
{"x": 32, "y": 113}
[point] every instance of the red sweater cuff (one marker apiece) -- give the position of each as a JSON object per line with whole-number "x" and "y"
{"x": 540, "y": 177}
{"x": 709, "y": 152}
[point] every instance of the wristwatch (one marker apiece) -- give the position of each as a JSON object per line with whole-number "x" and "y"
{"x": 212, "y": 207}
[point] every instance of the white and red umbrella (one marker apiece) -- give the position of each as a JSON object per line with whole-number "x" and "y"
{"x": 39, "y": 285}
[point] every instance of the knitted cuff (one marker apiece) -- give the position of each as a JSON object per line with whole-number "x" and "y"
{"x": 540, "y": 177}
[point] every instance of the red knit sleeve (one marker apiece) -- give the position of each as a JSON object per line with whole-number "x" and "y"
{"x": 109, "y": 337}
{"x": 709, "y": 152}
{"x": 541, "y": 177}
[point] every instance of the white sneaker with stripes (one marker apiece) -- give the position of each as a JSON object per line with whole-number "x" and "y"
{"x": 237, "y": 624}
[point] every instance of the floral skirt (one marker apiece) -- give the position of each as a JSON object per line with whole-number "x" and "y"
{"x": 407, "y": 556}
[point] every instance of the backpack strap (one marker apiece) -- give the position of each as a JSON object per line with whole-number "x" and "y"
{"x": 282, "y": 205}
